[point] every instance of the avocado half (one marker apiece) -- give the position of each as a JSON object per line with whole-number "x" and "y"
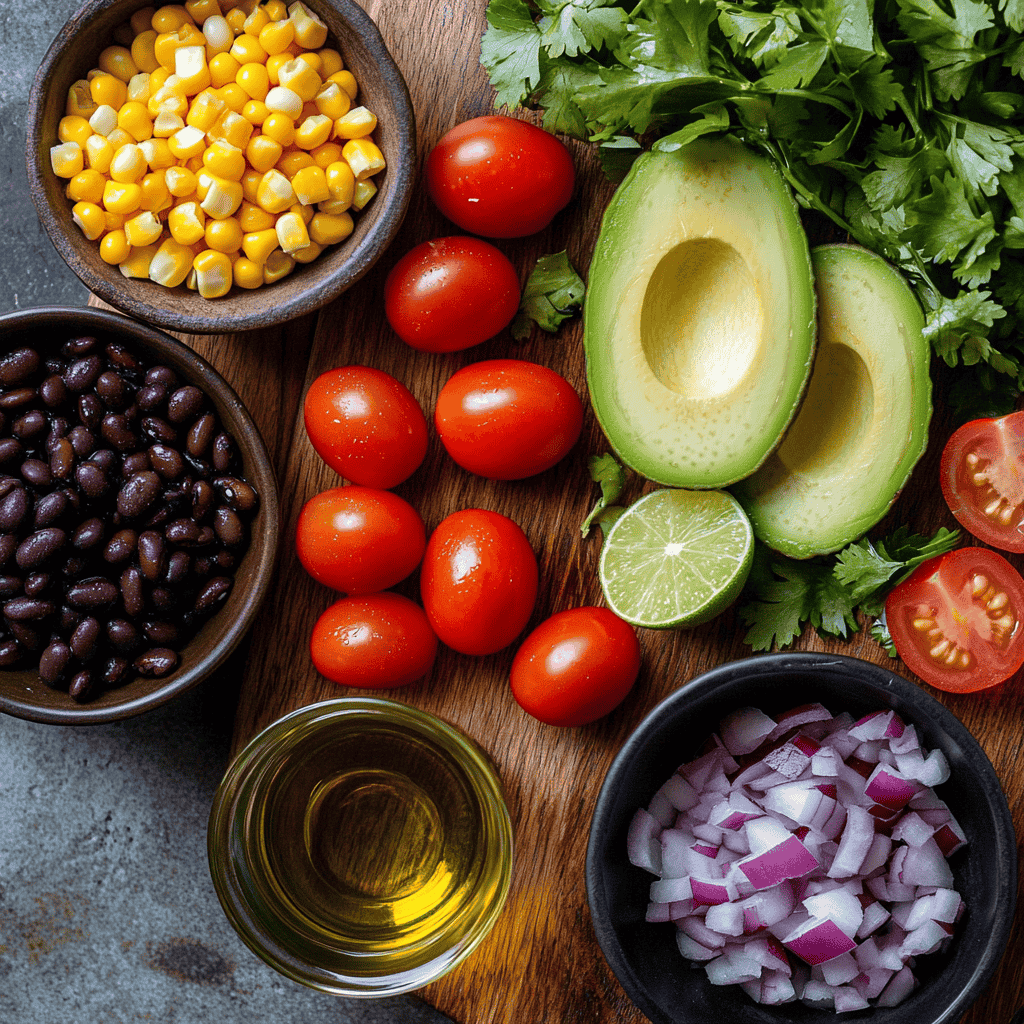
{"x": 699, "y": 320}
{"x": 864, "y": 423}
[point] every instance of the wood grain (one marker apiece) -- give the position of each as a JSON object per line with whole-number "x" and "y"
{"x": 541, "y": 963}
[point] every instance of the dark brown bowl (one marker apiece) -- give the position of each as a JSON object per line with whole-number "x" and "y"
{"x": 21, "y": 692}
{"x": 382, "y": 88}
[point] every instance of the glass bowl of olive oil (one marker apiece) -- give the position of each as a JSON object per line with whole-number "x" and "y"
{"x": 361, "y": 846}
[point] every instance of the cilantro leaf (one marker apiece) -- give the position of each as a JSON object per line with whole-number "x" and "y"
{"x": 510, "y": 51}
{"x": 607, "y": 472}
{"x": 553, "y": 293}
{"x": 580, "y": 25}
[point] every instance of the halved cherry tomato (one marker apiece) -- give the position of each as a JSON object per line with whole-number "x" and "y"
{"x": 982, "y": 478}
{"x": 956, "y": 620}
{"x": 451, "y": 293}
{"x": 575, "y": 666}
{"x": 359, "y": 539}
{"x": 365, "y": 425}
{"x": 375, "y": 641}
{"x": 506, "y": 419}
{"x": 478, "y": 581}
{"x": 500, "y": 177}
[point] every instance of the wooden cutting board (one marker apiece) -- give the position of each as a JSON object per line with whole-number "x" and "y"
{"x": 541, "y": 964}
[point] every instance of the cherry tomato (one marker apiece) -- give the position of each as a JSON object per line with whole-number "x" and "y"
{"x": 365, "y": 425}
{"x": 451, "y": 293}
{"x": 956, "y": 620}
{"x": 478, "y": 581}
{"x": 982, "y": 478}
{"x": 576, "y": 666}
{"x": 507, "y": 419}
{"x": 500, "y": 177}
{"x": 359, "y": 539}
{"x": 375, "y": 641}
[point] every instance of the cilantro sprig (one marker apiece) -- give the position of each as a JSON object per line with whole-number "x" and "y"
{"x": 901, "y": 122}
{"x": 553, "y": 293}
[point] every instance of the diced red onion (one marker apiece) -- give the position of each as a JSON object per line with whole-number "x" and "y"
{"x": 743, "y": 731}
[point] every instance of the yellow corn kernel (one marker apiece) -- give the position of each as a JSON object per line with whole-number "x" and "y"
{"x": 157, "y": 153}
{"x": 330, "y": 62}
{"x": 312, "y": 59}
{"x": 277, "y": 266}
{"x": 330, "y": 228}
{"x": 255, "y": 21}
{"x": 170, "y": 17}
{"x": 263, "y": 152}
{"x": 224, "y": 235}
{"x": 204, "y": 110}
{"x": 86, "y": 187}
{"x": 103, "y": 120}
{"x": 187, "y": 142}
{"x": 356, "y": 124}
{"x": 168, "y": 98}
{"x": 280, "y": 127}
{"x": 291, "y": 232}
{"x": 114, "y": 247}
{"x": 224, "y": 160}
{"x": 307, "y": 253}
{"x": 158, "y": 79}
{"x": 283, "y": 100}
{"x": 253, "y": 80}
{"x": 117, "y": 61}
{"x": 80, "y": 102}
{"x": 275, "y": 193}
{"x": 247, "y": 274}
{"x": 129, "y": 164}
{"x": 165, "y": 124}
{"x": 202, "y": 9}
{"x": 251, "y": 184}
{"x": 277, "y": 10}
{"x": 347, "y": 82}
{"x": 139, "y": 90}
{"x": 134, "y": 118}
{"x": 167, "y": 44}
{"x": 247, "y": 50}
{"x": 234, "y": 96}
{"x": 113, "y": 221}
{"x": 223, "y": 70}
{"x": 252, "y": 218}
{"x": 223, "y": 198}
{"x": 156, "y": 196}
{"x": 187, "y": 223}
{"x": 325, "y": 155}
{"x": 332, "y": 101}
{"x": 305, "y": 212}
{"x": 180, "y": 181}
{"x": 138, "y": 262}
{"x": 255, "y": 112}
{"x": 144, "y": 52}
{"x": 98, "y": 153}
{"x": 258, "y": 245}
{"x": 310, "y": 185}
{"x": 67, "y": 159}
{"x": 122, "y": 197}
{"x": 142, "y": 20}
{"x": 298, "y": 76}
{"x": 363, "y": 157}
{"x": 313, "y": 132}
{"x": 276, "y": 36}
{"x": 309, "y": 109}
{"x": 274, "y": 63}
{"x": 118, "y": 138}
{"x": 332, "y": 206}
{"x": 142, "y": 229}
{"x": 105, "y": 88}
{"x": 341, "y": 181}
{"x": 310, "y": 31}
{"x": 364, "y": 191}
{"x": 213, "y": 274}
{"x": 190, "y": 66}
{"x": 89, "y": 219}
{"x": 74, "y": 128}
{"x": 236, "y": 19}
{"x": 293, "y": 160}
{"x": 171, "y": 263}
{"x": 233, "y": 129}
{"x": 218, "y": 35}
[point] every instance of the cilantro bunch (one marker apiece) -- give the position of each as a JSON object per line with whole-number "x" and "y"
{"x": 899, "y": 120}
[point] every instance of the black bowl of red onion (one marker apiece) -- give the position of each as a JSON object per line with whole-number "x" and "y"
{"x": 791, "y": 837}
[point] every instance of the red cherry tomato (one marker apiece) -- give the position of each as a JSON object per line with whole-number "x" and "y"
{"x": 450, "y": 294}
{"x": 576, "y": 666}
{"x": 365, "y": 425}
{"x": 507, "y": 419}
{"x": 478, "y": 581}
{"x": 982, "y": 478}
{"x": 500, "y": 177}
{"x": 956, "y": 620}
{"x": 374, "y": 641}
{"x": 359, "y": 539}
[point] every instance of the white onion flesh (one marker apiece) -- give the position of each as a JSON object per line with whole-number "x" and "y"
{"x": 805, "y": 857}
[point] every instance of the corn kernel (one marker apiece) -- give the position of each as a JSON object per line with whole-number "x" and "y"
{"x": 117, "y": 61}
{"x": 364, "y": 191}
{"x": 233, "y": 129}
{"x": 66, "y": 159}
{"x": 234, "y": 96}
{"x": 298, "y": 76}
{"x": 254, "y": 80}
{"x": 346, "y": 81}
{"x": 329, "y": 229}
{"x": 363, "y": 157}
{"x": 158, "y": 79}
{"x": 167, "y": 44}
{"x": 167, "y": 98}
{"x": 142, "y": 20}
{"x": 103, "y": 120}
{"x": 307, "y": 253}
{"x": 201, "y": 10}
{"x": 187, "y": 142}
{"x": 253, "y": 218}
{"x": 333, "y": 206}
{"x": 156, "y": 196}
{"x": 170, "y": 17}
{"x": 224, "y": 235}
{"x": 218, "y": 35}
{"x": 310, "y": 185}
{"x": 213, "y": 274}
{"x": 223, "y": 70}
{"x": 128, "y": 164}
{"x": 142, "y": 229}
{"x": 180, "y": 181}
{"x": 263, "y": 152}
{"x": 157, "y": 153}
{"x": 282, "y": 99}
{"x": 251, "y": 184}
{"x": 256, "y": 20}
{"x": 122, "y": 197}
{"x": 258, "y": 245}
{"x": 73, "y": 128}
{"x": 165, "y": 124}
{"x": 138, "y": 88}
{"x": 107, "y": 89}
{"x": 255, "y": 112}
{"x": 280, "y": 127}
{"x": 325, "y": 155}
{"x": 330, "y": 62}
{"x": 190, "y": 66}
{"x": 134, "y": 118}
{"x": 89, "y": 219}
{"x": 138, "y": 262}
{"x": 332, "y": 101}
{"x": 98, "y": 153}
{"x": 236, "y": 19}
{"x": 119, "y": 137}
{"x": 187, "y": 223}
{"x": 310, "y": 31}
{"x": 113, "y": 221}
{"x": 305, "y": 212}
{"x": 223, "y": 198}
{"x": 314, "y": 131}
{"x": 277, "y": 10}
{"x": 86, "y": 187}
{"x": 291, "y": 233}
{"x": 341, "y": 181}
{"x": 275, "y": 193}
{"x": 312, "y": 59}
{"x": 356, "y": 124}
{"x": 204, "y": 110}
{"x": 247, "y": 50}
{"x": 277, "y": 266}
{"x": 277, "y": 36}
{"x": 80, "y": 102}
{"x": 114, "y": 247}
{"x": 246, "y": 274}
{"x": 293, "y": 160}
{"x": 224, "y": 160}
{"x": 274, "y": 65}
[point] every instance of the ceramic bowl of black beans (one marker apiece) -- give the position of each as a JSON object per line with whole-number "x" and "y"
{"x": 138, "y": 516}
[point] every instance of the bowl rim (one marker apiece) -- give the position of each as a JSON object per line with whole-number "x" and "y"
{"x": 265, "y": 481}
{"x": 278, "y": 309}
{"x": 806, "y": 664}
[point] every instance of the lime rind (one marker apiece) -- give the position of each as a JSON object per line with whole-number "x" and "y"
{"x": 676, "y": 558}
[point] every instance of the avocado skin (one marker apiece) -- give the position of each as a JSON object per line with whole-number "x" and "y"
{"x": 864, "y": 423}
{"x": 699, "y": 320}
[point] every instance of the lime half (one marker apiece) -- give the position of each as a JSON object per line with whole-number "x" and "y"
{"x": 676, "y": 558}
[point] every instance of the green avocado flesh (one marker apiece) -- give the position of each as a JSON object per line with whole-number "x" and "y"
{"x": 699, "y": 322}
{"x": 864, "y": 422}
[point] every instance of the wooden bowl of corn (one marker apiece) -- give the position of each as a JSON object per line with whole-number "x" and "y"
{"x": 220, "y": 165}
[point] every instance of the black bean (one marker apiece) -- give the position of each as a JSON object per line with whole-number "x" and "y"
{"x": 82, "y": 687}
{"x": 50, "y": 508}
{"x": 212, "y": 595}
{"x": 131, "y": 591}
{"x": 35, "y": 549}
{"x": 203, "y": 498}
{"x": 162, "y": 375}
{"x": 185, "y": 404}
{"x": 178, "y": 566}
{"x": 82, "y": 440}
{"x": 161, "y": 633}
{"x": 93, "y": 593}
{"x": 152, "y": 554}
{"x": 138, "y": 493}
{"x": 53, "y": 391}
{"x": 229, "y": 527}
{"x": 115, "y": 670}
{"x": 115, "y": 431}
{"x": 110, "y": 386}
{"x": 74, "y": 567}
{"x": 156, "y": 662}
{"x": 29, "y": 426}
{"x": 206, "y": 537}
{"x": 83, "y": 373}
{"x": 37, "y": 472}
{"x": 18, "y": 398}
{"x": 10, "y": 585}
{"x": 11, "y": 449}
{"x": 151, "y": 397}
{"x": 79, "y": 346}
{"x": 85, "y": 638}
{"x": 137, "y": 462}
{"x": 18, "y": 366}
{"x": 183, "y": 531}
{"x": 88, "y": 534}
{"x": 162, "y": 599}
{"x": 7, "y": 484}
{"x": 158, "y": 431}
{"x": 236, "y": 494}
{"x": 120, "y": 547}
{"x": 27, "y": 636}
{"x": 92, "y": 480}
{"x": 11, "y": 653}
{"x": 8, "y": 545}
{"x": 53, "y": 662}
{"x": 37, "y": 583}
{"x": 200, "y": 436}
{"x": 28, "y": 609}
{"x": 225, "y": 452}
{"x": 106, "y": 460}
{"x": 166, "y": 461}
{"x": 62, "y": 459}
{"x": 14, "y": 508}
{"x": 90, "y": 410}
{"x": 122, "y": 357}
{"x": 68, "y": 620}
{"x": 123, "y": 636}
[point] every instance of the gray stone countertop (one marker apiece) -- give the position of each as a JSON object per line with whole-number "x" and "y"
{"x": 107, "y": 911}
